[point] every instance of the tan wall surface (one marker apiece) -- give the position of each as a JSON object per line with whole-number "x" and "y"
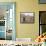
{"x": 27, "y": 30}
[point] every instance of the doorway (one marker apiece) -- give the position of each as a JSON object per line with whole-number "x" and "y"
{"x": 42, "y": 22}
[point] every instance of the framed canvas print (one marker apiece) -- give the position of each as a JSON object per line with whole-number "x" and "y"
{"x": 7, "y": 20}
{"x": 42, "y": 1}
{"x": 26, "y": 17}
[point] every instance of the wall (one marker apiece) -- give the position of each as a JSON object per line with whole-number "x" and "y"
{"x": 27, "y": 30}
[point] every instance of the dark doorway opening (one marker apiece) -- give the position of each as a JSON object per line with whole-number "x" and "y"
{"x": 42, "y": 22}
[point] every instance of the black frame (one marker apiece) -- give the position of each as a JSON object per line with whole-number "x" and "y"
{"x": 27, "y": 22}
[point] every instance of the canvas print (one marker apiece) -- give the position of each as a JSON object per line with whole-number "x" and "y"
{"x": 26, "y": 17}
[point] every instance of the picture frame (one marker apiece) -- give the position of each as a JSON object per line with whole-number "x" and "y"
{"x": 42, "y": 1}
{"x": 26, "y": 17}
